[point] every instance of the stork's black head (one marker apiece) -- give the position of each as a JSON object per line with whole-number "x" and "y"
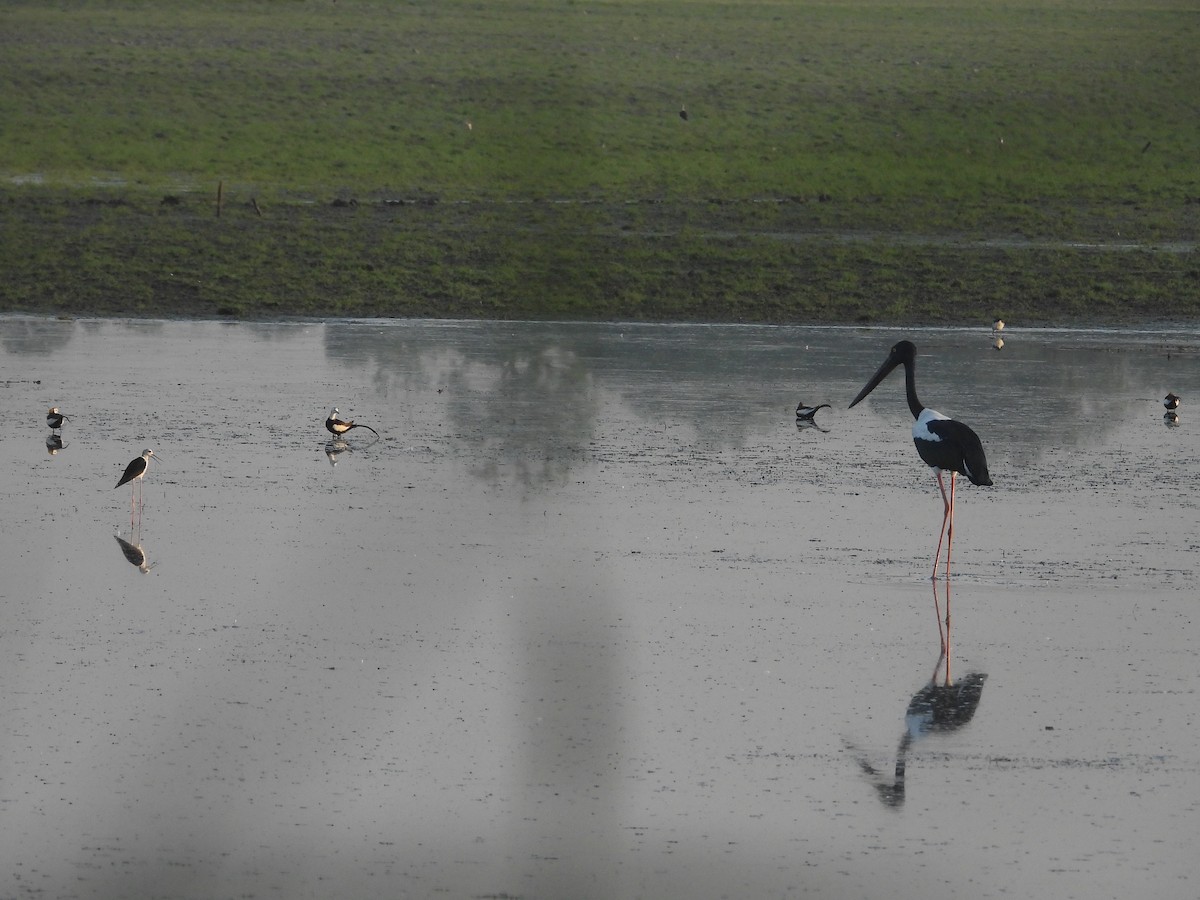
{"x": 902, "y": 354}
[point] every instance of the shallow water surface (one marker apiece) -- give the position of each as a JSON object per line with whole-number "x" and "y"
{"x": 592, "y": 617}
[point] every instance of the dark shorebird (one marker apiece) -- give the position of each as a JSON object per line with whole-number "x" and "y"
{"x": 1171, "y": 401}
{"x": 806, "y": 413}
{"x": 136, "y": 470}
{"x": 133, "y": 475}
{"x": 55, "y": 419}
{"x": 339, "y": 426}
{"x": 945, "y": 444}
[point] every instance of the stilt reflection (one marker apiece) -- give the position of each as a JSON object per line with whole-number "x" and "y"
{"x": 135, "y": 553}
{"x": 54, "y": 443}
{"x": 940, "y": 707}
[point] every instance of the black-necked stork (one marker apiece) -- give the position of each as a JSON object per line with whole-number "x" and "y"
{"x": 1171, "y": 401}
{"x": 806, "y": 413}
{"x": 340, "y": 426}
{"x": 54, "y": 418}
{"x": 945, "y": 444}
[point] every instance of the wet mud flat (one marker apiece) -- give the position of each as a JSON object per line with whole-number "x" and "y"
{"x": 592, "y": 617}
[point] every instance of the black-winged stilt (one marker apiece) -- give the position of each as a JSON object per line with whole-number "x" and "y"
{"x": 340, "y": 426}
{"x": 806, "y": 413}
{"x": 55, "y": 419}
{"x": 1171, "y": 401}
{"x": 945, "y": 444}
{"x": 137, "y": 469}
{"x": 134, "y": 473}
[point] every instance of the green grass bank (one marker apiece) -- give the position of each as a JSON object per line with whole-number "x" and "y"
{"x": 848, "y": 161}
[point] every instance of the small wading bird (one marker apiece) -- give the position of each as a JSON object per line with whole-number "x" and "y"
{"x": 1171, "y": 401}
{"x": 135, "y": 472}
{"x": 340, "y": 426}
{"x": 55, "y": 419}
{"x": 806, "y": 413}
{"x": 945, "y": 444}
{"x": 998, "y": 325}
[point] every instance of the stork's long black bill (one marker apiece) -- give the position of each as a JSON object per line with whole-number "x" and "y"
{"x": 888, "y": 364}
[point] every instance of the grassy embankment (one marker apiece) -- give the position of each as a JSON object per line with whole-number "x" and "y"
{"x": 857, "y": 160}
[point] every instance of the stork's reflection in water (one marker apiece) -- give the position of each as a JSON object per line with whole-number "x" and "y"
{"x": 940, "y": 707}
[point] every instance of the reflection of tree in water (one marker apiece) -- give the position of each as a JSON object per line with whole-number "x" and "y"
{"x": 1045, "y": 391}
{"x": 520, "y": 405}
{"x": 36, "y": 335}
{"x": 529, "y": 418}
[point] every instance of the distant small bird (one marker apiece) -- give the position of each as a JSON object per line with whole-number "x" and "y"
{"x": 998, "y": 325}
{"x": 55, "y": 419}
{"x": 683, "y": 113}
{"x": 1171, "y": 401}
{"x": 806, "y": 413}
{"x": 136, "y": 469}
{"x": 339, "y": 426}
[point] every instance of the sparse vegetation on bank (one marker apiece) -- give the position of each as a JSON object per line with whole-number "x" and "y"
{"x": 853, "y": 161}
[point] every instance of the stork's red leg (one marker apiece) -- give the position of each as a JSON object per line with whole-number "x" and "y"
{"x": 945, "y": 519}
{"x": 942, "y": 636}
{"x": 950, "y": 530}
